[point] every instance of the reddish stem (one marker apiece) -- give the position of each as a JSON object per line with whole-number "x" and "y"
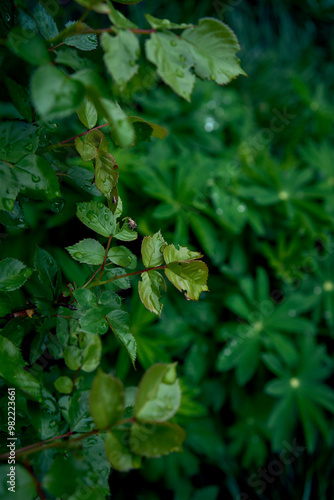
{"x": 38, "y": 484}
{"x": 83, "y": 133}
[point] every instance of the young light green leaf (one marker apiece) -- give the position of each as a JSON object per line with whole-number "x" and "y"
{"x": 97, "y": 217}
{"x": 92, "y": 351}
{"x": 13, "y": 274}
{"x": 87, "y": 251}
{"x": 17, "y": 139}
{"x": 121, "y": 129}
{"x": 82, "y": 42}
{"x": 72, "y": 357}
{"x": 46, "y": 25}
{"x": 54, "y": 94}
{"x": 153, "y": 441}
{"x": 149, "y": 291}
{"x": 97, "y": 5}
{"x": 213, "y": 46}
{"x": 86, "y": 150}
{"x": 122, "y": 256}
{"x": 189, "y": 276}
{"x": 173, "y": 59}
{"x": 119, "y": 455}
{"x": 120, "y": 55}
{"x": 87, "y": 113}
{"x": 106, "y": 175}
{"x": 118, "y": 19}
{"x": 152, "y": 250}
{"x": 106, "y": 400}
{"x": 164, "y": 24}
{"x": 172, "y": 254}
{"x": 159, "y": 394}
{"x": 119, "y": 321}
{"x": 125, "y": 233}
{"x": 64, "y": 385}
{"x": 12, "y": 370}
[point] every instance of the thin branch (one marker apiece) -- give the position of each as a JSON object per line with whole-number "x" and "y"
{"x": 118, "y": 277}
{"x": 83, "y": 133}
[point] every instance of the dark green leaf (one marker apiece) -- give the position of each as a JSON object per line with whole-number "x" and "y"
{"x": 106, "y": 400}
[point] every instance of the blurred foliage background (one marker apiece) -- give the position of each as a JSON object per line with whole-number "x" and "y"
{"x": 246, "y": 175}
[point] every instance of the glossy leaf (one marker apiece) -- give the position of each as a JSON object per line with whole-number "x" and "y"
{"x": 87, "y": 251}
{"x": 152, "y": 250}
{"x": 149, "y": 291}
{"x": 155, "y": 440}
{"x": 119, "y": 321}
{"x": 64, "y": 385}
{"x": 82, "y": 42}
{"x": 13, "y": 274}
{"x": 119, "y": 455}
{"x": 122, "y": 256}
{"x": 17, "y": 139}
{"x": 97, "y": 217}
{"x": 87, "y": 113}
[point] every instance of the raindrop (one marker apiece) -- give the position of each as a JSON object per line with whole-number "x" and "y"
{"x": 91, "y": 215}
{"x": 8, "y": 18}
{"x": 78, "y": 255}
{"x": 8, "y": 204}
{"x": 106, "y": 217}
{"x": 182, "y": 58}
{"x": 241, "y": 208}
{"x": 132, "y": 63}
{"x": 179, "y": 73}
{"x": 100, "y": 204}
{"x": 213, "y": 76}
{"x": 29, "y": 147}
{"x": 173, "y": 43}
{"x": 35, "y": 178}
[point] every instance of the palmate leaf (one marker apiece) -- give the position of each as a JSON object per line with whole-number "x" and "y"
{"x": 120, "y": 55}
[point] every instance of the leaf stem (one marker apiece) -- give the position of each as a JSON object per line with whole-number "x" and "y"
{"x": 105, "y": 257}
{"x": 83, "y": 133}
{"x": 114, "y": 278}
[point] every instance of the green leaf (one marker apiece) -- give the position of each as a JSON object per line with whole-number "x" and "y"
{"x": 159, "y": 394}
{"x": 96, "y": 5}
{"x": 64, "y": 385}
{"x": 25, "y": 486}
{"x": 122, "y": 256}
{"x": 213, "y": 46}
{"x": 5, "y": 304}
{"x": 93, "y": 320}
{"x": 81, "y": 42}
{"x": 72, "y": 357}
{"x": 172, "y": 254}
{"x": 120, "y": 55}
{"x": 106, "y": 400}
{"x": 79, "y": 416}
{"x": 54, "y": 94}
{"x": 9, "y": 187}
{"x": 173, "y": 59}
{"x": 12, "y": 370}
{"x": 91, "y": 354}
{"x": 46, "y": 25}
{"x": 152, "y": 250}
{"x": 149, "y": 291}
{"x": 13, "y": 274}
{"x": 119, "y": 321}
{"x": 164, "y": 24}
{"x": 87, "y": 251}
{"x": 155, "y": 440}
{"x": 184, "y": 272}
{"x": 97, "y": 217}
{"x": 118, "y": 19}
{"x": 119, "y": 455}
{"x": 20, "y": 99}
{"x": 17, "y": 139}
{"x": 87, "y": 113}
{"x": 122, "y": 131}
{"x": 106, "y": 175}
{"x": 32, "y": 49}
{"x": 125, "y": 233}
{"x": 37, "y": 178}
{"x": 144, "y": 130}
{"x": 47, "y": 268}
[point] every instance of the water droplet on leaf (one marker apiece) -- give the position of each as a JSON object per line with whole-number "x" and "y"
{"x": 35, "y": 178}
{"x": 179, "y": 73}
{"x": 78, "y": 255}
{"x": 173, "y": 43}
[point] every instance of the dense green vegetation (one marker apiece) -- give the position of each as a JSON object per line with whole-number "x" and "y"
{"x": 244, "y": 177}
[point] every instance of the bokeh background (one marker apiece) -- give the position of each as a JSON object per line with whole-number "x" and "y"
{"x": 245, "y": 175}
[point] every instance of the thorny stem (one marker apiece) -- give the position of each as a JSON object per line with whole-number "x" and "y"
{"x": 114, "y": 278}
